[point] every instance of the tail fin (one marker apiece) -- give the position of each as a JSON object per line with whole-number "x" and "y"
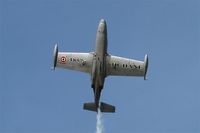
{"x": 104, "y": 107}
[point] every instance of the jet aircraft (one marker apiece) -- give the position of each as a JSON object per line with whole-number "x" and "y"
{"x": 100, "y": 64}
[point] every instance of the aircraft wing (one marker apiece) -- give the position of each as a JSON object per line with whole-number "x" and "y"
{"x": 119, "y": 66}
{"x": 73, "y": 61}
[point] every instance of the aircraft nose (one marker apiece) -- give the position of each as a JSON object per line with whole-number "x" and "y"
{"x": 102, "y": 21}
{"x": 102, "y": 26}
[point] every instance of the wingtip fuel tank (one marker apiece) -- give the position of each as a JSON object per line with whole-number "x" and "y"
{"x": 55, "y": 55}
{"x": 146, "y": 62}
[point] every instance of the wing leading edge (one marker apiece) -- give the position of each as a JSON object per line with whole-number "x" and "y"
{"x": 119, "y": 66}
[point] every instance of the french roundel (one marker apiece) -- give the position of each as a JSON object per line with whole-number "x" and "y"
{"x": 63, "y": 60}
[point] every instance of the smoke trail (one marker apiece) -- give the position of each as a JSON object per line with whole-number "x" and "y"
{"x": 99, "y": 126}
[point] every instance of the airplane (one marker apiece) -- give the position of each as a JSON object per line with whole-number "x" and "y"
{"x": 100, "y": 64}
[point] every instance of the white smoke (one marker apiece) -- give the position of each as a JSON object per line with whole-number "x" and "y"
{"x": 99, "y": 126}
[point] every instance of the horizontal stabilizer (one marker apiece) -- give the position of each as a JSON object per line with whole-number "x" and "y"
{"x": 90, "y": 107}
{"x": 104, "y": 107}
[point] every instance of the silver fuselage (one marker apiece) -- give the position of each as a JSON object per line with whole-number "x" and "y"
{"x": 99, "y": 61}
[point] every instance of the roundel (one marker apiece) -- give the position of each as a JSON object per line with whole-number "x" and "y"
{"x": 63, "y": 60}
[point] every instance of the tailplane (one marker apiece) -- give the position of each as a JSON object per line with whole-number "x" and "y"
{"x": 104, "y": 107}
{"x": 107, "y": 108}
{"x": 90, "y": 106}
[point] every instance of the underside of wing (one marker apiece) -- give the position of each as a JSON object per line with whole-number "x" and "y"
{"x": 73, "y": 61}
{"x": 119, "y": 66}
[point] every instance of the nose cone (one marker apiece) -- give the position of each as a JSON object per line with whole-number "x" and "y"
{"x": 102, "y": 26}
{"x": 102, "y": 21}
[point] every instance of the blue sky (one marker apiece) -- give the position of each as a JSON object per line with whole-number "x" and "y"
{"x": 34, "y": 99}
